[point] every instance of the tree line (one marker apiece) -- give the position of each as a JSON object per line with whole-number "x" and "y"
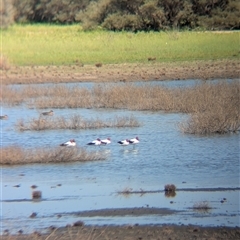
{"x": 129, "y": 15}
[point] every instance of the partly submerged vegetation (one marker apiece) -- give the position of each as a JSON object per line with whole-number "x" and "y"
{"x": 202, "y": 206}
{"x": 75, "y": 122}
{"x": 17, "y": 155}
{"x": 213, "y": 107}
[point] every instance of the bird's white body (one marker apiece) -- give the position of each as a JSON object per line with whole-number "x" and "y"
{"x": 96, "y": 142}
{"x": 106, "y": 141}
{"x": 70, "y": 143}
{"x": 124, "y": 142}
{"x": 134, "y": 140}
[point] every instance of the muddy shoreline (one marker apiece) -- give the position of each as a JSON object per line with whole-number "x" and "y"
{"x": 204, "y": 70}
{"x": 153, "y": 232}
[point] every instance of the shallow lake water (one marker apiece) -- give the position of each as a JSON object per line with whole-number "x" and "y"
{"x": 164, "y": 155}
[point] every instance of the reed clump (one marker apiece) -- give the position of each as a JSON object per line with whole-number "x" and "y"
{"x": 202, "y": 206}
{"x": 125, "y": 192}
{"x": 170, "y": 190}
{"x": 75, "y": 122}
{"x": 13, "y": 155}
{"x": 215, "y": 109}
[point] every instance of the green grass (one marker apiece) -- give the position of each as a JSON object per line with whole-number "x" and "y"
{"x": 43, "y": 44}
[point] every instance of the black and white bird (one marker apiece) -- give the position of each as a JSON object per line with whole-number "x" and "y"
{"x": 134, "y": 140}
{"x": 106, "y": 141}
{"x": 96, "y": 142}
{"x": 70, "y": 143}
{"x": 124, "y": 142}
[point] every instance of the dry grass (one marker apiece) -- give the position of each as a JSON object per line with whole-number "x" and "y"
{"x": 75, "y": 122}
{"x": 202, "y": 206}
{"x": 16, "y": 155}
{"x": 126, "y": 191}
{"x": 170, "y": 190}
{"x": 214, "y": 108}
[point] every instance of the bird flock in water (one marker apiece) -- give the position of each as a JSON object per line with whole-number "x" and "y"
{"x": 97, "y": 142}
{"x": 102, "y": 142}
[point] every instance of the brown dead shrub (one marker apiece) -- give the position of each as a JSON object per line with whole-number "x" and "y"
{"x": 217, "y": 109}
{"x": 213, "y": 106}
{"x": 75, "y": 122}
{"x": 16, "y": 155}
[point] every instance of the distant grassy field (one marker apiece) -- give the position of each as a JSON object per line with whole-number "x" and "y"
{"x": 60, "y": 45}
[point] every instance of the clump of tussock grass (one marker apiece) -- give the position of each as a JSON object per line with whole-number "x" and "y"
{"x": 126, "y": 191}
{"x": 216, "y": 110}
{"x": 75, "y": 122}
{"x": 36, "y": 195}
{"x": 170, "y": 190}
{"x": 16, "y": 155}
{"x": 202, "y": 206}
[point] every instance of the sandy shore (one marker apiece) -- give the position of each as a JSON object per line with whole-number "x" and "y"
{"x": 221, "y": 69}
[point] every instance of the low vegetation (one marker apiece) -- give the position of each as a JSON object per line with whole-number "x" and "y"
{"x": 215, "y": 110}
{"x": 60, "y": 45}
{"x": 202, "y": 206}
{"x": 75, "y": 122}
{"x": 213, "y": 107}
{"x": 16, "y": 155}
{"x": 126, "y": 191}
{"x": 169, "y": 188}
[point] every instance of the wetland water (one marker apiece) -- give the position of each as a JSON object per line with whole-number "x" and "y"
{"x": 163, "y": 156}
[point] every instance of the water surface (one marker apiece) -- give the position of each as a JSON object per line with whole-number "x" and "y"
{"x": 164, "y": 155}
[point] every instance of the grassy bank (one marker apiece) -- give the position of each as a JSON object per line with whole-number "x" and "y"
{"x": 61, "y": 45}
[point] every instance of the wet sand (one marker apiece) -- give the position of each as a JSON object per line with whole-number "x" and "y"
{"x": 221, "y": 69}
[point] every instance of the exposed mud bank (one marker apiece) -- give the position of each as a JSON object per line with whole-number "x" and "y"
{"x": 221, "y": 69}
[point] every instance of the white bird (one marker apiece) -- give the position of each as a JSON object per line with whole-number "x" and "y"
{"x": 96, "y": 142}
{"x": 124, "y": 142}
{"x": 134, "y": 140}
{"x": 106, "y": 141}
{"x": 70, "y": 143}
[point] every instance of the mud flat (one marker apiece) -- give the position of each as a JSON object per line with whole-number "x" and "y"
{"x": 164, "y": 232}
{"x": 219, "y": 69}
